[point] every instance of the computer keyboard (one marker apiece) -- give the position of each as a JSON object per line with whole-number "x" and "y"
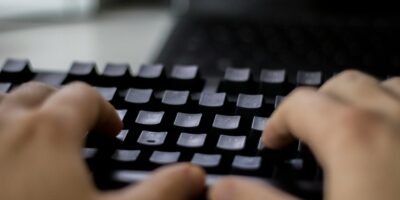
{"x": 181, "y": 115}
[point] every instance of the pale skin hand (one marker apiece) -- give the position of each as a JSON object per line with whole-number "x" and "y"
{"x": 352, "y": 124}
{"x": 42, "y": 132}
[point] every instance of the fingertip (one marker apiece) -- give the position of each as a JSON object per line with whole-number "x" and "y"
{"x": 112, "y": 123}
{"x": 194, "y": 174}
{"x": 223, "y": 189}
{"x": 185, "y": 179}
{"x": 273, "y": 139}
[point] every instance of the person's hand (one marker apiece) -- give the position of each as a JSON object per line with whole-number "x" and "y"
{"x": 351, "y": 124}
{"x": 42, "y": 132}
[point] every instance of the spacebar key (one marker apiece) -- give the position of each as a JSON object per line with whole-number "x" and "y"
{"x": 303, "y": 189}
{"x": 133, "y": 176}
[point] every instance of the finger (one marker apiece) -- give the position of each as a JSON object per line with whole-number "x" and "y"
{"x": 308, "y": 115}
{"x": 28, "y": 95}
{"x": 77, "y": 108}
{"x": 2, "y": 95}
{"x": 363, "y": 91}
{"x": 392, "y": 85}
{"x": 179, "y": 182}
{"x": 241, "y": 189}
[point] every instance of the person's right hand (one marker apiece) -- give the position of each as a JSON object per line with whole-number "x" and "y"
{"x": 352, "y": 124}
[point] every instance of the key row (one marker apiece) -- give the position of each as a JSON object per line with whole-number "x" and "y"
{"x": 270, "y": 82}
{"x": 192, "y": 141}
{"x": 114, "y": 74}
{"x": 299, "y": 168}
{"x": 208, "y": 102}
{"x": 192, "y": 121}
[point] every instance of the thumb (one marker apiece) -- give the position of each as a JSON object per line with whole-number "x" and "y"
{"x": 179, "y": 182}
{"x": 242, "y": 189}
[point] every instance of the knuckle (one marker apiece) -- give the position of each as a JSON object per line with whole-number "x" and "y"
{"x": 83, "y": 89}
{"x": 350, "y": 74}
{"x": 80, "y": 86}
{"x": 359, "y": 123}
{"x": 301, "y": 92}
{"x": 395, "y": 81}
{"x": 34, "y": 85}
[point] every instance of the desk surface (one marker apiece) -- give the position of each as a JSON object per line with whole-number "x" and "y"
{"x": 132, "y": 35}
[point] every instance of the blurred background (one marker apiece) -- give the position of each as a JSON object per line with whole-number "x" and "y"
{"x": 53, "y": 33}
{"x": 214, "y": 34}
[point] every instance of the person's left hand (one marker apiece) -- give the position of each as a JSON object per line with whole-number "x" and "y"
{"x": 42, "y": 132}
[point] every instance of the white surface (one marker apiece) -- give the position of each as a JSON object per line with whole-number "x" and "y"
{"x": 17, "y": 8}
{"x": 134, "y": 36}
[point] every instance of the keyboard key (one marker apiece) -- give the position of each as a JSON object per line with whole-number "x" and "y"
{"x": 249, "y": 105}
{"x": 184, "y": 72}
{"x": 186, "y": 77}
{"x": 176, "y": 98}
{"x": 116, "y": 74}
{"x": 82, "y": 71}
{"x": 191, "y": 140}
{"x": 16, "y": 71}
{"x": 5, "y": 87}
{"x": 115, "y": 70}
{"x": 151, "y": 138}
{"x": 309, "y": 78}
{"x": 187, "y": 120}
{"x": 15, "y": 66}
{"x": 212, "y": 103}
{"x": 236, "y": 80}
{"x": 82, "y": 68}
{"x": 247, "y": 162}
{"x": 249, "y": 101}
{"x": 126, "y": 155}
{"x": 273, "y": 76}
{"x": 272, "y": 82}
{"x": 151, "y": 71}
{"x": 226, "y": 122}
{"x": 138, "y": 96}
{"x": 122, "y": 135}
{"x": 149, "y": 117}
{"x": 151, "y": 76}
{"x": 257, "y": 126}
{"x": 231, "y": 143}
{"x": 89, "y": 153}
{"x": 213, "y": 100}
{"x": 121, "y": 114}
{"x": 108, "y": 93}
{"x": 259, "y": 123}
{"x": 163, "y": 158}
{"x": 260, "y": 145}
{"x": 278, "y": 100}
{"x": 206, "y": 160}
{"x": 52, "y": 79}
{"x": 237, "y": 74}
{"x": 290, "y": 168}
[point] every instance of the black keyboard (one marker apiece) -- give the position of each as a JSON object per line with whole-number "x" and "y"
{"x": 180, "y": 115}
